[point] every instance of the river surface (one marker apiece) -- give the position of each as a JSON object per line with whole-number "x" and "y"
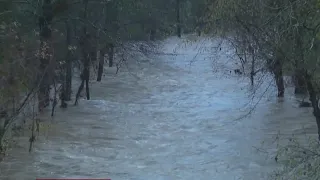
{"x": 175, "y": 116}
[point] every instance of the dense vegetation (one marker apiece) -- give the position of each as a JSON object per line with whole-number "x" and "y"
{"x": 43, "y": 42}
{"x": 282, "y": 37}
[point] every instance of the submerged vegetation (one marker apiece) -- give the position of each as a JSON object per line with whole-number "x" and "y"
{"x": 282, "y": 37}
{"x": 43, "y": 42}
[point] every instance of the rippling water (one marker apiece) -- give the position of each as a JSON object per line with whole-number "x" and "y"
{"x": 177, "y": 117}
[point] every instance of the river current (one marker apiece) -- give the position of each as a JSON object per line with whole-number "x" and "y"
{"x": 179, "y": 114}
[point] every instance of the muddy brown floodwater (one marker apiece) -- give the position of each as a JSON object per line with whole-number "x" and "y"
{"x": 174, "y": 117}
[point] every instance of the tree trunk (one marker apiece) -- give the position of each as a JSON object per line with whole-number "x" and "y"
{"x": 45, "y": 21}
{"x": 101, "y": 64}
{"x": 178, "y": 19}
{"x": 252, "y": 73}
{"x": 279, "y": 77}
{"x": 63, "y": 97}
{"x": 85, "y": 75}
{"x": 276, "y": 68}
{"x": 300, "y": 86}
{"x": 87, "y": 84}
{"x": 86, "y": 68}
{"x": 299, "y": 77}
{"x": 314, "y": 101}
{"x": 111, "y": 54}
{"x": 79, "y": 89}
{"x": 68, "y": 80}
{"x": 87, "y": 51}
{"x": 86, "y": 55}
{"x": 280, "y": 84}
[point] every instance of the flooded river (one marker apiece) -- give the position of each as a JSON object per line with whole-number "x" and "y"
{"x": 173, "y": 117}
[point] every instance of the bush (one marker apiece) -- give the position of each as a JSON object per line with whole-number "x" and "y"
{"x": 299, "y": 160}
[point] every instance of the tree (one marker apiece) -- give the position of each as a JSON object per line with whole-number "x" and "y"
{"x": 42, "y": 44}
{"x": 284, "y": 34}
